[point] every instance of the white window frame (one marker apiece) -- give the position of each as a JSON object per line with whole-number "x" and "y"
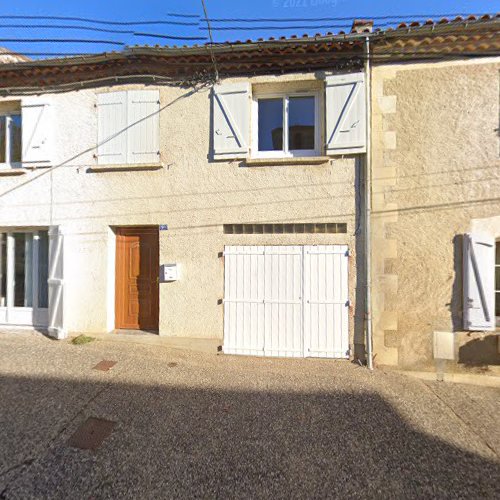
{"x": 285, "y": 152}
{"x": 11, "y": 314}
{"x": 8, "y": 123}
{"x": 497, "y": 266}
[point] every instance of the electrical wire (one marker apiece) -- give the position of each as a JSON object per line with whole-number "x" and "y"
{"x": 104, "y": 30}
{"x": 60, "y": 40}
{"x": 171, "y": 37}
{"x": 327, "y": 55}
{"x": 65, "y": 27}
{"x": 276, "y": 40}
{"x": 100, "y": 21}
{"x": 172, "y": 14}
{"x": 350, "y": 18}
{"x": 212, "y": 55}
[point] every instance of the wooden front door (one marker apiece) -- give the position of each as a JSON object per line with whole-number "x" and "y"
{"x": 137, "y": 271}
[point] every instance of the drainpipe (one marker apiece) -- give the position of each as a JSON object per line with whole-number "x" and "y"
{"x": 368, "y": 203}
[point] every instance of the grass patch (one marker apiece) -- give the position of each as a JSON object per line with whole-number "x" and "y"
{"x": 82, "y": 339}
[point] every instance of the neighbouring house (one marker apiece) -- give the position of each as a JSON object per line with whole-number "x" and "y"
{"x": 140, "y": 191}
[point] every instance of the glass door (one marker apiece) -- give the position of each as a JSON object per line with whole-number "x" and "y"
{"x": 23, "y": 278}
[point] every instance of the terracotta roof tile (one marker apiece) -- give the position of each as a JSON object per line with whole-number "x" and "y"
{"x": 414, "y": 39}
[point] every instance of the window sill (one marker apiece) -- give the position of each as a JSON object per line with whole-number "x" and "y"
{"x": 126, "y": 167}
{"x": 294, "y": 160}
{"x": 4, "y": 171}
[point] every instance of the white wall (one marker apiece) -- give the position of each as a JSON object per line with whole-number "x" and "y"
{"x": 190, "y": 194}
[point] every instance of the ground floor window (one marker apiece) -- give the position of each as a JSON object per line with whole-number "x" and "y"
{"x": 24, "y": 262}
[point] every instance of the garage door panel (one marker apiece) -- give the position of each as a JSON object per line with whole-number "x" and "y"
{"x": 243, "y": 307}
{"x": 326, "y": 300}
{"x": 289, "y": 301}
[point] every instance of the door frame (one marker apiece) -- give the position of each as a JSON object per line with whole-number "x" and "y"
{"x": 113, "y": 274}
{"x": 11, "y": 315}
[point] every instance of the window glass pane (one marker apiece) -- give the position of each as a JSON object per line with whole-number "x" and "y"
{"x": 19, "y": 268}
{"x": 15, "y": 139}
{"x": 2, "y": 138}
{"x": 497, "y": 256}
{"x": 270, "y": 124}
{"x": 497, "y": 278}
{"x": 3, "y": 269}
{"x": 43, "y": 269}
{"x": 300, "y": 123}
{"x": 497, "y": 304}
{"x": 23, "y": 270}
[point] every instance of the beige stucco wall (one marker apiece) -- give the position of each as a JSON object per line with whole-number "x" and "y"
{"x": 436, "y": 171}
{"x": 191, "y": 194}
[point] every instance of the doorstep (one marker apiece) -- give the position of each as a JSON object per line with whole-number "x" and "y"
{"x": 207, "y": 345}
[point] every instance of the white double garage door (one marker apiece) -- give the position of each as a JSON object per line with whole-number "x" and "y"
{"x": 288, "y": 301}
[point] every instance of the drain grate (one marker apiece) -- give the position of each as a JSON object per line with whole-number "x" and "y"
{"x": 91, "y": 434}
{"x": 105, "y": 365}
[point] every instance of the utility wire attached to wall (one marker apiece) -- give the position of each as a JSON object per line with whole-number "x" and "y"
{"x": 211, "y": 46}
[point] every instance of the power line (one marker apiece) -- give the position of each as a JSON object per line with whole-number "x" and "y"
{"x": 264, "y": 28}
{"x": 212, "y": 55}
{"x": 171, "y": 14}
{"x": 242, "y": 20}
{"x": 66, "y": 27}
{"x": 100, "y": 21}
{"x": 171, "y": 37}
{"x": 331, "y": 56}
{"x": 59, "y": 40}
{"x": 350, "y": 18}
{"x": 309, "y": 39}
{"x": 292, "y": 27}
{"x": 102, "y": 30}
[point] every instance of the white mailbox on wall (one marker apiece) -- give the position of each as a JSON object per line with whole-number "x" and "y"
{"x": 169, "y": 272}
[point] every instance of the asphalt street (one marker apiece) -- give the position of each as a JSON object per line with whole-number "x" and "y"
{"x": 195, "y": 424}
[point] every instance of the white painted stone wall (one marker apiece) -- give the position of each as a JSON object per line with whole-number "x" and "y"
{"x": 191, "y": 194}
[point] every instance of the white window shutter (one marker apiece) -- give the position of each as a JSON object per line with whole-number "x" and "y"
{"x": 111, "y": 128}
{"x": 36, "y": 131}
{"x": 345, "y": 114}
{"x": 143, "y": 126}
{"x": 479, "y": 282}
{"x": 231, "y": 120}
{"x": 56, "y": 283}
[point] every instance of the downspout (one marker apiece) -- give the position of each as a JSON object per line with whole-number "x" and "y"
{"x": 368, "y": 203}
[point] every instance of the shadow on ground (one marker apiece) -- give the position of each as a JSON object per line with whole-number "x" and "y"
{"x": 181, "y": 442}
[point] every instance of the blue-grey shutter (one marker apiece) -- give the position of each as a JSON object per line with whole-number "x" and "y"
{"x": 479, "y": 282}
{"x": 345, "y": 114}
{"x": 37, "y": 126}
{"x": 112, "y": 128}
{"x": 143, "y": 126}
{"x": 231, "y": 120}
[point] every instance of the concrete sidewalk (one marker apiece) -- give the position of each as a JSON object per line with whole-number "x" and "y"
{"x": 192, "y": 424}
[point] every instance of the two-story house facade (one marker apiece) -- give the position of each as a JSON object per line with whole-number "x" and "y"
{"x": 187, "y": 208}
{"x": 151, "y": 189}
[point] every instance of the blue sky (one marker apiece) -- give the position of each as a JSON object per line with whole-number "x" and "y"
{"x": 160, "y": 10}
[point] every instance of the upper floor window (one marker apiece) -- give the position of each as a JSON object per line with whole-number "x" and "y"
{"x": 128, "y": 127}
{"x": 10, "y": 139}
{"x": 326, "y": 118}
{"x": 286, "y": 125}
